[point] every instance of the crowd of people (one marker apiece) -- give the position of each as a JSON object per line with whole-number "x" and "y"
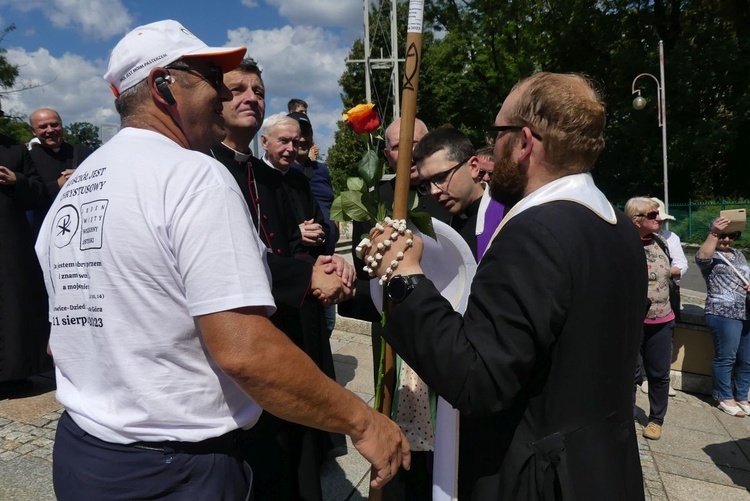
{"x": 192, "y": 288}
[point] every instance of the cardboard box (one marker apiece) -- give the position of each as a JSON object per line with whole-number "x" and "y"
{"x": 737, "y": 218}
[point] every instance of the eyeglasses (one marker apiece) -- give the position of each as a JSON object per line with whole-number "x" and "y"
{"x": 494, "y": 131}
{"x": 440, "y": 180}
{"x": 731, "y": 236}
{"x": 483, "y": 173}
{"x": 651, "y": 215}
{"x": 212, "y": 74}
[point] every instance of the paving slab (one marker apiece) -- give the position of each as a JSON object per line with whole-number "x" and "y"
{"x": 680, "y": 488}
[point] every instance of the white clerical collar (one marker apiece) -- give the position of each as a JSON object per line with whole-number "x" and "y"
{"x": 268, "y": 162}
{"x": 578, "y": 188}
{"x": 238, "y": 155}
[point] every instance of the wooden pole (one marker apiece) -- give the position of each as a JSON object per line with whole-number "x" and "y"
{"x": 401, "y": 191}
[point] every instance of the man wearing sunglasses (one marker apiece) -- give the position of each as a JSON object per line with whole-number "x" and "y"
{"x": 159, "y": 299}
{"x": 542, "y": 360}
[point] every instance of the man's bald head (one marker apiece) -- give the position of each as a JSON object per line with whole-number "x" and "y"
{"x": 392, "y": 134}
{"x": 46, "y": 125}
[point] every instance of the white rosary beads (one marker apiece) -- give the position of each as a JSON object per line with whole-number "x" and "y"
{"x": 372, "y": 263}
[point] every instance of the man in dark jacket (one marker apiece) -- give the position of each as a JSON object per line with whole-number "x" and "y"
{"x": 542, "y": 361}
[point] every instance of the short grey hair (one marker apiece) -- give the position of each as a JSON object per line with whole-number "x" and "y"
{"x": 273, "y": 122}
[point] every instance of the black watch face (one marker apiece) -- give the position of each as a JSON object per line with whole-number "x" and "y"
{"x": 397, "y": 289}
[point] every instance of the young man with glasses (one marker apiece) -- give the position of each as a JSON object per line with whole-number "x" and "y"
{"x": 445, "y": 161}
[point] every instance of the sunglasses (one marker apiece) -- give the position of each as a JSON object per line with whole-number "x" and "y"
{"x": 212, "y": 74}
{"x": 731, "y": 236}
{"x": 651, "y": 215}
{"x": 439, "y": 180}
{"x": 483, "y": 173}
{"x": 493, "y": 132}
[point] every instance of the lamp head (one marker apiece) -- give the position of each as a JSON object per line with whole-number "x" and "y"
{"x": 639, "y": 102}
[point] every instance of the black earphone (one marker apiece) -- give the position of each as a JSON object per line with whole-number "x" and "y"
{"x": 162, "y": 85}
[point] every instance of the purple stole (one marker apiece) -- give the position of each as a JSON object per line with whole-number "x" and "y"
{"x": 492, "y": 217}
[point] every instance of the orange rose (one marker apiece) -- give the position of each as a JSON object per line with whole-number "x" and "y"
{"x": 362, "y": 118}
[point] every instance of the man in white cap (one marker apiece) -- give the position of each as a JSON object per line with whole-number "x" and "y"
{"x": 159, "y": 299}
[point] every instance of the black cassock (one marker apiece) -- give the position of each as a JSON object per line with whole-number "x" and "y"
{"x": 50, "y": 164}
{"x": 285, "y": 457}
{"x": 24, "y": 326}
{"x": 541, "y": 363}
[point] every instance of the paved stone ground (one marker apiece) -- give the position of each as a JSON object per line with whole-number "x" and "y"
{"x": 704, "y": 454}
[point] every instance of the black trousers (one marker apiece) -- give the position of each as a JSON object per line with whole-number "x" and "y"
{"x": 85, "y": 467}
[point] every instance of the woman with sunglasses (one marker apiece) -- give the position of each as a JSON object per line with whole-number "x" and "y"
{"x": 727, "y": 273}
{"x": 656, "y": 345}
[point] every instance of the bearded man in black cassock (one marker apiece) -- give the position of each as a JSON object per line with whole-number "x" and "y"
{"x": 542, "y": 360}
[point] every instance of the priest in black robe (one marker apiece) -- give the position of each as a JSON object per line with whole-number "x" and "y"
{"x": 24, "y": 325}
{"x": 54, "y": 158}
{"x": 543, "y": 357}
{"x": 285, "y": 457}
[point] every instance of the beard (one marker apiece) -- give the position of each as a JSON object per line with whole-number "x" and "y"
{"x": 509, "y": 178}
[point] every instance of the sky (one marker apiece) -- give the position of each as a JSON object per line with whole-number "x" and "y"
{"x": 61, "y": 47}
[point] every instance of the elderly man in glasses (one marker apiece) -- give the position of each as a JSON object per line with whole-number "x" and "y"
{"x": 160, "y": 296}
{"x": 542, "y": 361}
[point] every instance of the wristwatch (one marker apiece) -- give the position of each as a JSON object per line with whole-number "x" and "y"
{"x": 400, "y": 286}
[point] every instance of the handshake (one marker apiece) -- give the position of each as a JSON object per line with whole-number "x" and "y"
{"x": 332, "y": 280}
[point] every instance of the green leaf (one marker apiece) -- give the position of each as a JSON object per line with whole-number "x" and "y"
{"x": 337, "y": 210}
{"x": 355, "y": 183}
{"x": 412, "y": 201}
{"x": 370, "y": 168}
{"x": 353, "y": 207}
{"x": 423, "y": 222}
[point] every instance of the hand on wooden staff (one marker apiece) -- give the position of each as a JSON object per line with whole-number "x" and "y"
{"x": 391, "y": 250}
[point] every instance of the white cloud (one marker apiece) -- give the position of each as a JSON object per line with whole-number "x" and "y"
{"x": 320, "y": 12}
{"x": 99, "y": 19}
{"x": 302, "y": 62}
{"x": 69, "y": 84}
{"x": 249, "y": 3}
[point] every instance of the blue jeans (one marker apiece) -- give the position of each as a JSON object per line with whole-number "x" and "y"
{"x": 731, "y": 365}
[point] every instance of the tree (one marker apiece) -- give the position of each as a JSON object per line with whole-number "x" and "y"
{"x": 475, "y": 50}
{"x": 8, "y": 72}
{"x": 83, "y": 133}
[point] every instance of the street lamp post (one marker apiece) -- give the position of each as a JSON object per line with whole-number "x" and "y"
{"x": 661, "y": 108}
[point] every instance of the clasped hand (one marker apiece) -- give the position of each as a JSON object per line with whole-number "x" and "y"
{"x": 332, "y": 280}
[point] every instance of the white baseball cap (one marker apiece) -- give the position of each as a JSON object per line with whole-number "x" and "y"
{"x": 158, "y": 44}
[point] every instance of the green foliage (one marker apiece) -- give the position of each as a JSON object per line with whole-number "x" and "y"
{"x": 16, "y": 128}
{"x": 474, "y": 51}
{"x": 8, "y": 72}
{"x": 83, "y": 133}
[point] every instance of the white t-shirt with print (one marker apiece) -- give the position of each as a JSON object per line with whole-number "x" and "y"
{"x": 144, "y": 237}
